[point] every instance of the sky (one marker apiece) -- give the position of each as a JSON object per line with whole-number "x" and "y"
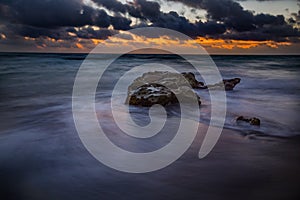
{"x": 220, "y": 26}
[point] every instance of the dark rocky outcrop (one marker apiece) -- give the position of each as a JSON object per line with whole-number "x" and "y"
{"x": 252, "y": 121}
{"x": 228, "y": 84}
{"x": 150, "y": 94}
{"x": 160, "y": 88}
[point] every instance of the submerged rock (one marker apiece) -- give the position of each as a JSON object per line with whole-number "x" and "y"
{"x": 161, "y": 88}
{"x": 252, "y": 121}
{"x": 228, "y": 84}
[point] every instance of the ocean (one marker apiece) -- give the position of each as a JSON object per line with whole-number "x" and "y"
{"x": 36, "y": 89}
{"x": 42, "y": 155}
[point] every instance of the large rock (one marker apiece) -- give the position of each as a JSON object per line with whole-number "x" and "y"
{"x": 150, "y": 94}
{"x": 160, "y": 88}
{"x": 168, "y": 79}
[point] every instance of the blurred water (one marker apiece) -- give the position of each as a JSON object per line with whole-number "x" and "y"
{"x": 36, "y": 89}
{"x": 42, "y": 157}
{"x": 269, "y": 90}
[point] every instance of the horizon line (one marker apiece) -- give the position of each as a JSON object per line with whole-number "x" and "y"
{"x": 153, "y": 53}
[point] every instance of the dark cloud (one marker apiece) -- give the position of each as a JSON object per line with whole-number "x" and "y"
{"x": 173, "y": 21}
{"x": 148, "y": 9}
{"x": 229, "y": 12}
{"x": 211, "y": 28}
{"x": 138, "y": 8}
{"x": 56, "y": 13}
{"x": 282, "y": 31}
{"x": 36, "y": 32}
{"x": 277, "y": 34}
{"x": 143, "y": 9}
{"x": 56, "y": 19}
{"x": 244, "y": 24}
{"x": 89, "y": 33}
{"x": 102, "y": 19}
{"x": 133, "y": 11}
{"x": 266, "y": 19}
{"x": 121, "y": 23}
{"x": 52, "y": 13}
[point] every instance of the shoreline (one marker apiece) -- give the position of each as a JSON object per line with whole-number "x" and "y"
{"x": 236, "y": 168}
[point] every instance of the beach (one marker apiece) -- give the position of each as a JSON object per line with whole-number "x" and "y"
{"x": 42, "y": 156}
{"x": 58, "y": 167}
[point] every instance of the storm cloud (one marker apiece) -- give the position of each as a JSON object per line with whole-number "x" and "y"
{"x": 53, "y": 13}
{"x": 71, "y": 19}
{"x": 244, "y": 24}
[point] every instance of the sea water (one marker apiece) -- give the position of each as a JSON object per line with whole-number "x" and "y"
{"x": 36, "y": 90}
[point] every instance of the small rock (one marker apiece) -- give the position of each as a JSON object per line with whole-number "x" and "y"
{"x": 229, "y": 84}
{"x": 253, "y": 121}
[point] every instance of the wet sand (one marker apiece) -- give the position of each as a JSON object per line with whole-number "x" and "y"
{"x": 39, "y": 165}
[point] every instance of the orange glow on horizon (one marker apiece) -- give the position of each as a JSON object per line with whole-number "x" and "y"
{"x": 242, "y": 44}
{"x": 79, "y": 46}
{"x": 205, "y": 42}
{"x": 96, "y": 41}
{"x": 114, "y": 43}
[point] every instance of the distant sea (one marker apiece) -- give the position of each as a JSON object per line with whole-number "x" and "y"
{"x": 42, "y": 157}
